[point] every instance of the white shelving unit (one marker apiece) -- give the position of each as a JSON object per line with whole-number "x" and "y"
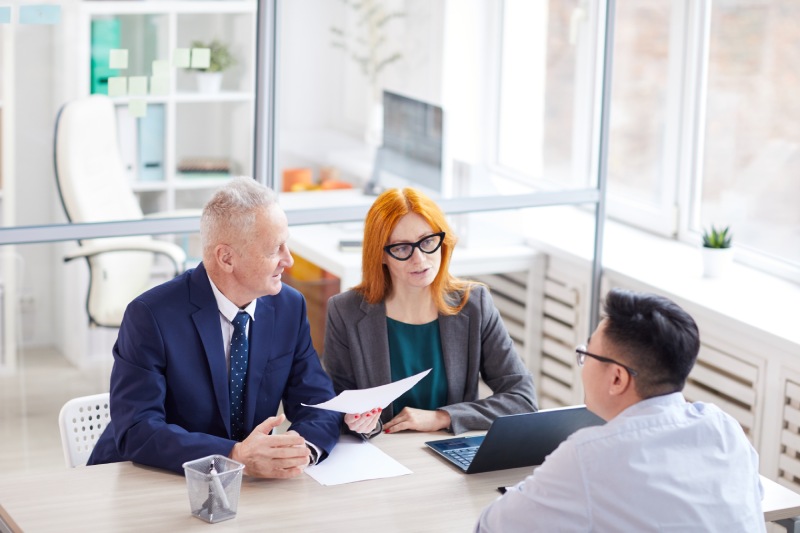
{"x": 218, "y": 125}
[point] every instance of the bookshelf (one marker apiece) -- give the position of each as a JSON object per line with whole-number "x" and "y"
{"x": 188, "y": 124}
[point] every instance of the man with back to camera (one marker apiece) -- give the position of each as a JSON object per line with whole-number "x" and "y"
{"x": 659, "y": 463}
{"x": 203, "y": 361}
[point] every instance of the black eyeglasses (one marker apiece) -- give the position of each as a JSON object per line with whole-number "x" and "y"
{"x": 581, "y": 354}
{"x": 402, "y": 251}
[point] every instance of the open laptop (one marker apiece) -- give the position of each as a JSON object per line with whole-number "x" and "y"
{"x": 515, "y": 440}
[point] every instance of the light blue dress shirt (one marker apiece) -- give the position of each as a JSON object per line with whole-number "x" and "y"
{"x": 661, "y": 465}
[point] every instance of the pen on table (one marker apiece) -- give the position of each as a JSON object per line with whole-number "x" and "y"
{"x": 219, "y": 489}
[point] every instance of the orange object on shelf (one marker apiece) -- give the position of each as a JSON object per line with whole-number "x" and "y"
{"x": 297, "y": 179}
{"x": 335, "y": 184}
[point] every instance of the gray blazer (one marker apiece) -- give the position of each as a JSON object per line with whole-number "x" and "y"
{"x": 475, "y": 343}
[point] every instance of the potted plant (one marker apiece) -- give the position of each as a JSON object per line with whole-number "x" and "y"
{"x": 209, "y": 80}
{"x": 370, "y": 45}
{"x": 717, "y": 251}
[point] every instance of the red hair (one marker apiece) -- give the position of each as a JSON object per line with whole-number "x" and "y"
{"x": 383, "y": 216}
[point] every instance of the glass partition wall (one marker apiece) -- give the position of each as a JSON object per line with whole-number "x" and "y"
{"x": 344, "y": 98}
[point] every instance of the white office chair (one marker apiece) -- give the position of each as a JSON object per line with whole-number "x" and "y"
{"x": 93, "y": 187}
{"x": 82, "y": 421}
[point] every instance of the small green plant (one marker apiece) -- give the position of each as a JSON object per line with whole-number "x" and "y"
{"x": 221, "y": 57}
{"x": 715, "y": 238}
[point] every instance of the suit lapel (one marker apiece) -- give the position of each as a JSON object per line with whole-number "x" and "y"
{"x": 374, "y": 339}
{"x": 207, "y": 322}
{"x": 453, "y": 330}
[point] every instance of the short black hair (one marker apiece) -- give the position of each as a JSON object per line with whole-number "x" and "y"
{"x": 655, "y": 336}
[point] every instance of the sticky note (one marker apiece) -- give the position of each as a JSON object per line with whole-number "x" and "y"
{"x": 137, "y": 86}
{"x": 160, "y": 67}
{"x": 117, "y": 58}
{"x": 137, "y": 108}
{"x": 201, "y": 57}
{"x": 117, "y": 86}
{"x": 181, "y": 57}
{"x": 5, "y": 15}
{"x": 40, "y": 14}
{"x": 159, "y": 85}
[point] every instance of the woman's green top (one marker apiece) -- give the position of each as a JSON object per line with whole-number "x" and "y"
{"x": 414, "y": 348}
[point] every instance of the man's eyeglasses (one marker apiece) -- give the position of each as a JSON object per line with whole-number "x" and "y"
{"x": 402, "y": 251}
{"x": 581, "y": 355}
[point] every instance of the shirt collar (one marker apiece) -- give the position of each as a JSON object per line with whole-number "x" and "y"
{"x": 656, "y": 402}
{"x": 227, "y": 308}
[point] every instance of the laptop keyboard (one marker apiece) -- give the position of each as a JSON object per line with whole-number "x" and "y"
{"x": 462, "y": 456}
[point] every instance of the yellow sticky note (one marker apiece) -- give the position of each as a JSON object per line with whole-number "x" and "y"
{"x": 159, "y": 85}
{"x": 181, "y": 58}
{"x": 201, "y": 57}
{"x": 137, "y": 86}
{"x": 160, "y": 67}
{"x": 137, "y": 108}
{"x": 117, "y": 86}
{"x": 118, "y": 58}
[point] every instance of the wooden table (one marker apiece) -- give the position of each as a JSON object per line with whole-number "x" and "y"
{"x": 124, "y": 496}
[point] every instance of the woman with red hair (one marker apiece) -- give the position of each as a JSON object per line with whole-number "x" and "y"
{"x": 409, "y": 314}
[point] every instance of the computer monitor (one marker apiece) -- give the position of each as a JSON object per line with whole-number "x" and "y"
{"x": 413, "y": 146}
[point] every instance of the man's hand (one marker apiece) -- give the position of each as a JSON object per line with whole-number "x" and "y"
{"x": 418, "y": 420}
{"x": 364, "y": 422}
{"x": 272, "y": 456}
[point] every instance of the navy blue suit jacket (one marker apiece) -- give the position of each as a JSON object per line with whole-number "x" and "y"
{"x": 169, "y": 383}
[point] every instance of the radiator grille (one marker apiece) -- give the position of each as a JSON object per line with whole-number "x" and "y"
{"x": 558, "y": 382}
{"x": 726, "y": 381}
{"x": 789, "y": 458}
{"x": 509, "y": 292}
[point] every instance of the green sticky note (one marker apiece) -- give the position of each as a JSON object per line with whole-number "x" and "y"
{"x": 117, "y": 86}
{"x": 160, "y": 67}
{"x": 159, "y": 85}
{"x": 181, "y": 57}
{"x": 137, "y": 108}
{"x": 201, "y": 57}
{"x": 137, "y": 86}
{"x": 117, "y": 58}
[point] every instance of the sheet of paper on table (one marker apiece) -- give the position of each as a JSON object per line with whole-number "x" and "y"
{"x": 353, "y": 459}
{"x": 363, "y": 400}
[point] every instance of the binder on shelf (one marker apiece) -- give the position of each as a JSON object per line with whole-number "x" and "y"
{"x": 151, "y": 144}
{"x": 128, "y": 136}
{"x": 105, "y": 37}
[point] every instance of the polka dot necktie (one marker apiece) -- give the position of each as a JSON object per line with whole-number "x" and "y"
{"x": 240, "y": 348}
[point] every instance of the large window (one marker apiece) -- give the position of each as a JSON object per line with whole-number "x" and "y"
{"x": 751, "y": 164}
{"x": 704, "y": 123}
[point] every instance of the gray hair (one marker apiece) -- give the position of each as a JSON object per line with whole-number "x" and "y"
{"x": 231, "y": 212}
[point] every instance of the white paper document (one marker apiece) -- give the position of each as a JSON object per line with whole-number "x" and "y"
{"x": 354, "y": 459}
{"x": 363, "y": 400}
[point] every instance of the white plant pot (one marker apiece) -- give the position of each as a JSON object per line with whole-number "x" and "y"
{"x": 716, "y": 261}
{"x": 208, "y": 82}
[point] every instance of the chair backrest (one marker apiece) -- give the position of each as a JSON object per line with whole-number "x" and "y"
{"x": 81, "y": 422}
{"x": 93, "y": 187}
{"x": 89, "y": 168}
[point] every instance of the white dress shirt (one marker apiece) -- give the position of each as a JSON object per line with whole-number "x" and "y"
{"x": 661, "y": 465}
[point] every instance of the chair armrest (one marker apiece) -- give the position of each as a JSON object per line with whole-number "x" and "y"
{"x": 174, "y": 252}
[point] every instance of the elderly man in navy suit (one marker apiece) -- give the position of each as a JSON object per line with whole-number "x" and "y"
{"x": 203, "y": 361}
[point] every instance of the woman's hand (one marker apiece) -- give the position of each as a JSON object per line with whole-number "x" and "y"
{"x": 364, "y": 422}
{"x": 418, "y": 420}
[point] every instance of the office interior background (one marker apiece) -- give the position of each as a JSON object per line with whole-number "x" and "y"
{"x": 703, "y": 128}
